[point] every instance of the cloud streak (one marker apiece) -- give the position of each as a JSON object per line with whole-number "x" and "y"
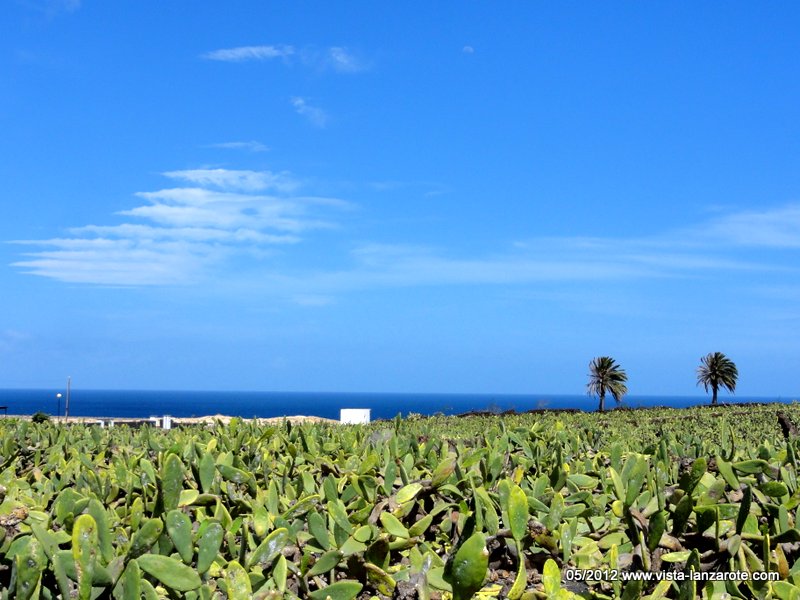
{"x": 543, "y": 261}
{"x": 343, "y": 61}
{"x": 316, "y": 116}
{"x": 689, "y": 254}
{"x": 251, "y": 146}
{"x": 248, "y": 53}
{"x": 119, "y": 262}
{"x": 776, "y": 228}
{"x": 185, "y": 233}
{"x": 336, "y": 58}
{"x": 227, "y": 179}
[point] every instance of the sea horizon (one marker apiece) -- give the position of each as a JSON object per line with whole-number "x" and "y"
{"x": 383, "y": 405}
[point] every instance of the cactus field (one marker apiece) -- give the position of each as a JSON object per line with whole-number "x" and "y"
{"x": 520, "y": 506}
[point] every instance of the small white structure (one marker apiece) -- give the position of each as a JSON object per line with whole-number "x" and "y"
{"x": 167, "y": 422}
{"x": 355, "y": 415}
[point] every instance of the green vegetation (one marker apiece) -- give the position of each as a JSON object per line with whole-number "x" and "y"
{"x": 443, "y": 507}
{"x": 40, "y": 417}
{"x": 715, "y": 371}
{"x": 606, "y": 377}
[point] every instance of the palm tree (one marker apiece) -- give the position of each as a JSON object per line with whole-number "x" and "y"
{"x": 606, "y": 377}
{"x": 717, "y": 370}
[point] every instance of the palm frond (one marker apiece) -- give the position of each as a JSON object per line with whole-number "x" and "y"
{"x": 717, "y": 371}
{"x": 606, "y": 377}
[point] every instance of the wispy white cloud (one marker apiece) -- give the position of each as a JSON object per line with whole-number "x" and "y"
{"x": 120, "y": 261}
{"x": 198, "y": 207}
{"x": 312, "y": 300}
{"x": 404, "y": 267}
{"x": 250, "y": 181}
{"x": 132, "y": 231}
{"x": 183, "y": 234}
{"x": 688, "y": 254}
{"x": 344, "y": 61}
{"x": 251, "y": 146}
{"x": 409, "y": 265}
{"x": 468, "y": 50}
{"x": 336, "y": 58}
{"x": 316, "y": 116}
{"x": 773, "y": 228}
{"x": 244, "y": 53}
{"x": 426, "y": 188}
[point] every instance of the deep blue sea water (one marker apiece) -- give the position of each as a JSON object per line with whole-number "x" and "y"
{"x": 143, "y": 404}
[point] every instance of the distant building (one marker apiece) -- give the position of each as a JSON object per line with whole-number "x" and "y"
{"x": 355, "y": 415}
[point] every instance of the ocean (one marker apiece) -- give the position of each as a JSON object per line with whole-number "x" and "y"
{"x": 143, "y": 404}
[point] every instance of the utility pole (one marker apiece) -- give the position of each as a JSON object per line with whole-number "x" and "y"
{"x": 66, "y": 407}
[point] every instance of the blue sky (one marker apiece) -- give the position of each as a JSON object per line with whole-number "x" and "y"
{"x": 458, "y": 197}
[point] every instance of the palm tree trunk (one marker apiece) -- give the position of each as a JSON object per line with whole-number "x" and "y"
{"x": 714, "y": 396}
{"x": 602, "y": 401}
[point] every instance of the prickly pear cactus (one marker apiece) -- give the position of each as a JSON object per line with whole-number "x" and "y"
{"x": 510, "y": 506}
{"x": 467, "y": 570}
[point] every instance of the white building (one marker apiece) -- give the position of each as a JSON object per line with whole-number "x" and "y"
{"x": 354, "y": 415}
